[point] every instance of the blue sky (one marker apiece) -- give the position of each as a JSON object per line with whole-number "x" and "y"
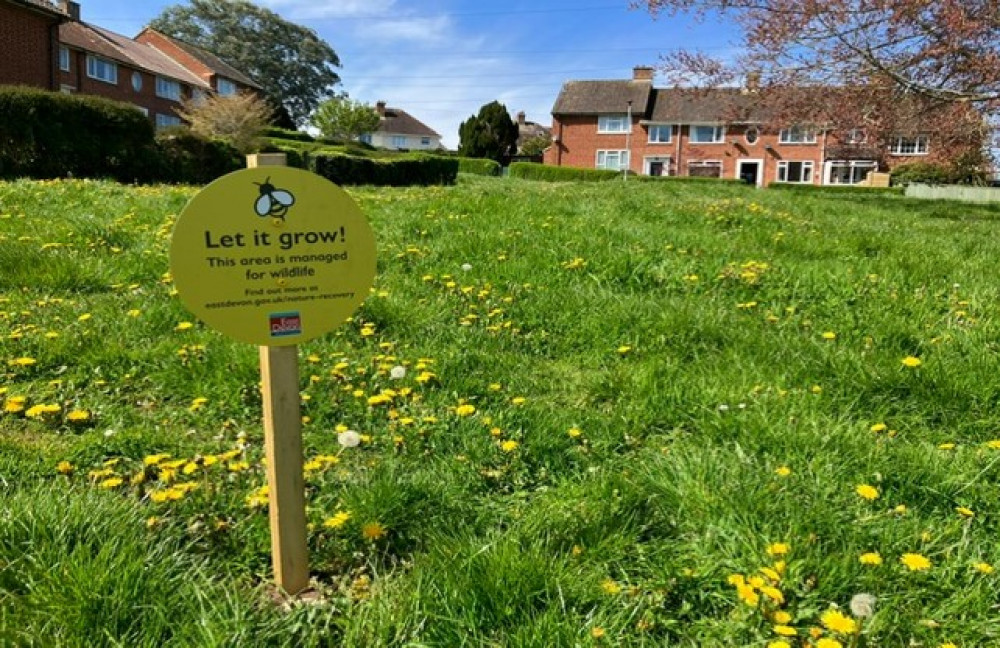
{"x": 440, "y": 60}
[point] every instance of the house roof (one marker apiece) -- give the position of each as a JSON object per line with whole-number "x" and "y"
{"x": 594, "y": 97}
{"x": 398, "y": 121}
{"x": 212, "y": 62}
{"x": 684, "y": 105}
{"x": 42, "y": 6}
{"x": 125, "y": 50}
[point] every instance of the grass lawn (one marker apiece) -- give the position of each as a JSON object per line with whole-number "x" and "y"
{"x": 591, "y": 415}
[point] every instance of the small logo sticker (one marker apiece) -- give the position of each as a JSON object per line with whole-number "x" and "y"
{"x": 272, "y": 201}
{"x": 283, "y": 324}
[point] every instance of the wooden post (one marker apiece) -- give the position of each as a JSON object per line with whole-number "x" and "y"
{"x": 279, "y": 372}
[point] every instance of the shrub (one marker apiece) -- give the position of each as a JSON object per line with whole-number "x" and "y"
{"x": 237, "y": 119}
{"x": 840, "y": 190}
{"x": 184, "y": 156}
{"x": 396, "y": 172}
{"x": 284, "y": 133}
{"x": 922, "y": 173}
{"x": 478, "y": 166}
{"x": 47, "y": 135}
{"x": 548, "y": 173}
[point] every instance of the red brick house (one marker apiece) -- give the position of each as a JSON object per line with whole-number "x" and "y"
{"x": 53, "y": 48}
{"x": 630, "y": 124}
{"x": 29, "y": 38}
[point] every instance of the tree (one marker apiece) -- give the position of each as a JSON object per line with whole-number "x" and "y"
{"x": 490, "y": 134}
{"x": 237, "y": 119}
{"x": 293, "y": 64}
{"x": 946, "y": 50}
{"x": 536, "y": 145}
{"x": 343, "y": 119}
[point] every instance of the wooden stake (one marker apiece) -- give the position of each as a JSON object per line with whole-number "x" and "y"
{"x": 279, "y": 373}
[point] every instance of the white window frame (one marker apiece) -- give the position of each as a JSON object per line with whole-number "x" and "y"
{"x": 398, "y": 141}
{"x": 718, "y": 134}
{"x": 96, "y": 66}
{"x": 797, "y": 134}
{"x": 899, "y": 144}
{"x": 852, "y": 166}
{"x": 603, "y": 156}
{"x": 425, "y": 141}
{"x": 616, "y": 123}
{"x": 225, "y": 87}
{"x": 164, "y": 121}
{"x": 781, "y": 173}
{"x": 668, "y": 164}
{"x": 658, "y": 131}
{"x": 64, "y": 58}
{"x": 168, "y": 88}
{"x": 856, "y": 136}
{"x": 705, "y": 163}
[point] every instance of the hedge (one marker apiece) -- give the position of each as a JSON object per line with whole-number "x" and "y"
{"x": 534, "y": 171}
{"x": 189, "y": 158}
{"x": 834, "y": 189}
{"x": 395, "y": 172}
{"x": 48, "y": 134}
{"x": 286, "y": 134}
{"x": 478, "y": 166}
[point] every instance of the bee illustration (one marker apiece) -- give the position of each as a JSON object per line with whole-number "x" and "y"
{"x": 272, "y": 201}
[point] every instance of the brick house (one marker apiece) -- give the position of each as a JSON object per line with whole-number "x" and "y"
{"x": 54, "y": 49}
{"x": 723, "y": 133}
{"x": 399, "y": 130}
{"x": 28, "y": 32}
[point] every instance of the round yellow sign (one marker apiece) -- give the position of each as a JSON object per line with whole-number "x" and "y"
{"x": 273, "y": 256}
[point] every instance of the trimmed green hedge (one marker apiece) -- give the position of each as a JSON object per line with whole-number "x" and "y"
{"x": 286, "y": 134}
{"x": 922, "y": 173}
{"x": 548, "y": 173}
{"x": 834, "y": 189}
{"x": 188, "y": 158}
{"x": 397, "y": 172}
{"x": 48, "y": 135}
{"x": 478, "y": 166}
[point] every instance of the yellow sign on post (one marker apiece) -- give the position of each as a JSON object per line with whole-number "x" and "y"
{"x": 272, "y": 255}
{"x": 275, "y": 256}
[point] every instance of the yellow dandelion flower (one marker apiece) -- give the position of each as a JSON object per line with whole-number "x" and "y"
{"x": 624, "y": 349}
{"x": 948, "y": 644}
{"x": 781, "y": 617}
{"x": 23, "y": 361}
{"x": 197, "y": 403}
{"x": 778, "y": 549}
{"x": 773, "y": 593}
{"x": 747, "y": 594}
{"x": 373, "y": 531}
{"x": 964, "y": 512}
{"x": 183, "y": 326}
{"x": 597, "y": 632}
{"x": 870, "y": 558}
{"x": 782, "y": 471}
{"x": 879, "y": 427}
{"x": 78, "y": 416}
{"x": 828, "y": 642}
{"x": 915, "y": 562}
{"x": 574, "y": 432}
{"x": 338, "y": 520}
{"x": 780, "y": 643}
{"x": 785, "y": 630}
{"x": 509, "y": 445}
{"x": 610, "y": 587}
{"x": 829, "y": 335}
{"x": 518, "y": 400}
{"x": 911, "y": 362}
{"x": 836, "y": 621}
{"x": 867, "y": 492}
{"x": 983, "y": 568}
{"x": 113, "y": 482}
{"x": 465, "y": 410}
{"x": 946, "y": 446}
{"x": 64, "y": 468}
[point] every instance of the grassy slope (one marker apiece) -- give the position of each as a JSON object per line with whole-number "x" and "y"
{"x": 630, "y": 528}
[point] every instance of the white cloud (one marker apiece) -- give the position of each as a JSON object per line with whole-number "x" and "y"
{"x": 419, "y": 30}
{"x": 310, "y": 9}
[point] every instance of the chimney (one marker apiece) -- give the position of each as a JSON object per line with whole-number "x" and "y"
{"x": 520, "y": 118}
{"x": 380, "y": 108}
{"x": 642, "y": 73}
{"x": 753, "y": 81}
{"x": 71, "y": 9}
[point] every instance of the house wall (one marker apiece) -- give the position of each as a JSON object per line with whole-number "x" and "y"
{"x": 29, "y": 55}
{"x": 384, "y": 140}
{"x": 77, "y": 81}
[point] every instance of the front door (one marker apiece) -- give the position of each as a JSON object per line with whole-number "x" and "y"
{"x": 749, "y": 171}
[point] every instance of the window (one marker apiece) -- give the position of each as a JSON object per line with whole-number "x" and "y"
{"x": 136, "y": 81}
{"x": 801, "y": 172}
{"x": 64, "y": 58}
{"x": 102, "y": 69}
{"x": 612, "y": 160}
{"x": 399, "y": 141}
{"x": 163, "y": 121}
{"x": 168, "y": 88}
{"x": 660, "y": 134}
{"x": 425, "y": 141}
{"x": 847, "y": 172}
{"x": 797, "y": 135}
{"x": 707, "y": 134}
{"x": 612, "y": 124}
{"x": 752, "y": 135}
{"x": 365, "y": 138}
{"x": 705, "y": 168}
{"x": 908, "y": 145}
{"x": 856, "y": 136}
{"x": 226, "y": 87}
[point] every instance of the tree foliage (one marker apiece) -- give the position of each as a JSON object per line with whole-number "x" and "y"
{"x": 536, "y": 145}
{"x": 947, "y": 50}
{"x": 490, "y": 134}
{"x": 236, "y": 119}
{"x": 344, "y": 119}
{"x": 292, "y": 63}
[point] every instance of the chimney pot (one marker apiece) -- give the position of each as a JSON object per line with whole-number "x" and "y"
{"x": 70, "y": 8}
{"x": 520, "y": 117}
{"x": 380, "y": 108}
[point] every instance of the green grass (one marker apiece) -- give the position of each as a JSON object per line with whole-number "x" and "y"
{"x": 677, "y": 331}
